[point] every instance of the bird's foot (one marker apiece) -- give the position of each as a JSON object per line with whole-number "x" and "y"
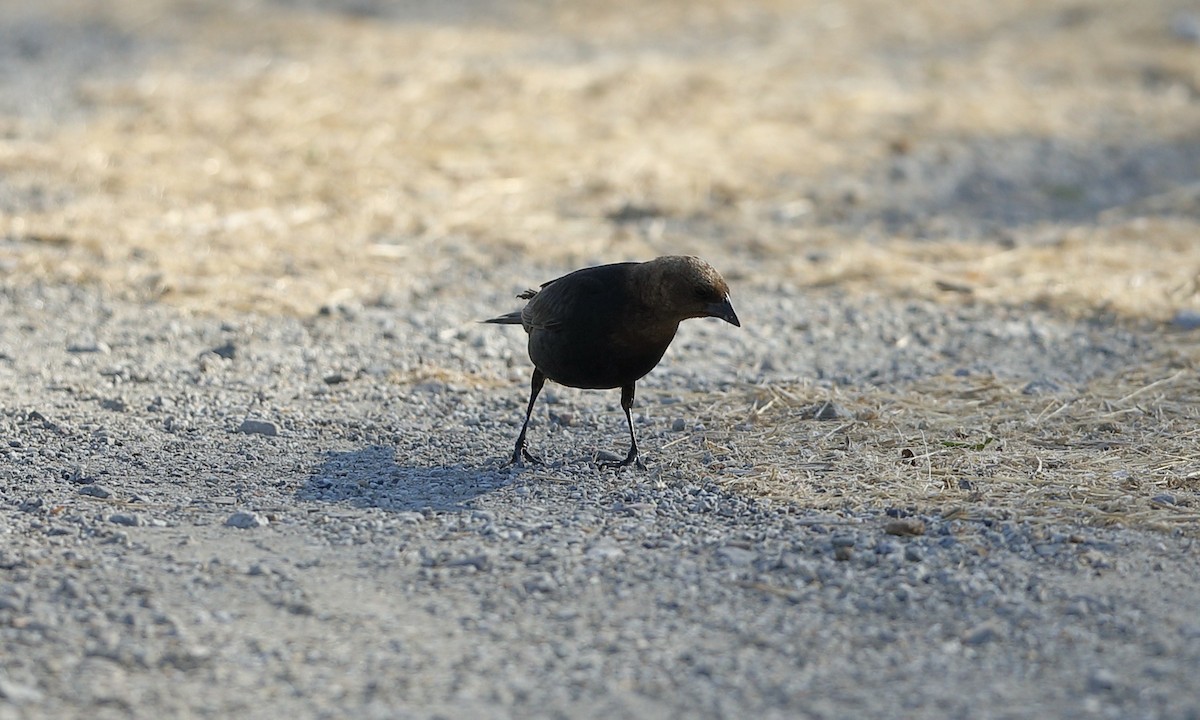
{"x": 522, "y": 453}
{"x": 631, "y": 459}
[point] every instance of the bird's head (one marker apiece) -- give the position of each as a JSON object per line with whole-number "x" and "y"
{"x": 687, "y": 287}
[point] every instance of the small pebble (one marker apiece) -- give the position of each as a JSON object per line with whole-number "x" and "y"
{"x": 825, "y": 411}
{"x": 89, "y": 347}
{"x": 226, "y": 351}
{"x": 481, "y": 562}
{"x": 129, "y": 520}
{"x": 95, "y": 491}
{"x": 1096, "y": 559}
{"x": 606, "y": 456}
{"x": 905, "y": 527}
{"x": 258, "y": 427}
{"x": 1041, "y": 387}
{"x": 1045, "y": 550}
{"x": 605, "y": 549}
{"x": 1101, "y": 679}
{"x": 736, "y": 556}
{"x": 540, "y": 584}
{"x": 980, "y": 635}
{"x": 114, "y": 404}
{"x": 18, "y": 693}
{"x": 247, "y": 520}
{"x": 1186, "y": 26}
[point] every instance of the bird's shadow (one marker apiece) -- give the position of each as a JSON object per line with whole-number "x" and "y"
{"x": 370, "y": 477}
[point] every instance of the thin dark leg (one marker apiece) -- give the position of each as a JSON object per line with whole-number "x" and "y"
{"x": 632, "y": 457}
{"x": 539, "y": 379}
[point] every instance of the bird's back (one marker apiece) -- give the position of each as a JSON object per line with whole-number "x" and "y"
{"x": 588, "y": 330}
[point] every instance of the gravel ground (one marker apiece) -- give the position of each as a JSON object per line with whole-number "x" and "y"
{"x": 265, "y": 517}
{"x": 254, "y": 515}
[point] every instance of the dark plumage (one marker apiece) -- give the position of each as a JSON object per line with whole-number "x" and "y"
{"x": 607, "y": 326}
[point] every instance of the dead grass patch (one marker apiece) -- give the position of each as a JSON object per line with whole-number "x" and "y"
{"x": 280, "y": 160}
{"x": 1143, "y": 267}
{"x": 1121, "y": 451}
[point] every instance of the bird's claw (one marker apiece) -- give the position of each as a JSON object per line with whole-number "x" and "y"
{"x": 524, "y": 454}
{"x": 632, "y": 459}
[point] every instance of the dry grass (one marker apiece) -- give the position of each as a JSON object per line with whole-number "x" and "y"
{"x": 1122, "y": 451}
{"x": 1141, "y": 268}
{"x": 279, "y": 160}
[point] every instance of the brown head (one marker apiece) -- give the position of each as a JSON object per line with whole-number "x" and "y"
{"x": 682, "y": 287}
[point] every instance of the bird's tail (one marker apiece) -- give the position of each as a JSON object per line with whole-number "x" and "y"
{"x": 513, "y": 318}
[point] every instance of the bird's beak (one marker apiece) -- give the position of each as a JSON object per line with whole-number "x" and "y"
{"x": 723, "y": 310}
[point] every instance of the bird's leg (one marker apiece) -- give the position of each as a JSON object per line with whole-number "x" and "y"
{"x": 539, "y": 379}
{"x": 632, "y": 457}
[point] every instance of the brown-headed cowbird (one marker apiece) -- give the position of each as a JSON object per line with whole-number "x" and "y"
{"x": 607, "y": 326}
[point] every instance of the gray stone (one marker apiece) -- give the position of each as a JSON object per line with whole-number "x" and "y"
{"x": 19, "y": 693}
{"x": 258, "y": 427}
{"x": 247, "y": 520}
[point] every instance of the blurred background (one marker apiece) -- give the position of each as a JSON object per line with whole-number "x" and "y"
{"x": 280, "y": 155}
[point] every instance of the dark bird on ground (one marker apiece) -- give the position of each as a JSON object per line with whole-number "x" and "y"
{"x": 607, "y": 326}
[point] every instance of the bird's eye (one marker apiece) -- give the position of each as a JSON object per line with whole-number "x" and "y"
{"x": 703, "y": 293}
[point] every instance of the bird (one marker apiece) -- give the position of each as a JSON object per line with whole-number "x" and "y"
{"x": 607, "y": 326}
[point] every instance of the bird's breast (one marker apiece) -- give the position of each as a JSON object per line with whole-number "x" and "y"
{"x": 593, "y": 363}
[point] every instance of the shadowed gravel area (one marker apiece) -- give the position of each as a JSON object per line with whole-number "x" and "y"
{"x": 263, "y": 516}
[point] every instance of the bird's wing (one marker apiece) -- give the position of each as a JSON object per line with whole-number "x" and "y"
{"x": 566, "y": 298}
